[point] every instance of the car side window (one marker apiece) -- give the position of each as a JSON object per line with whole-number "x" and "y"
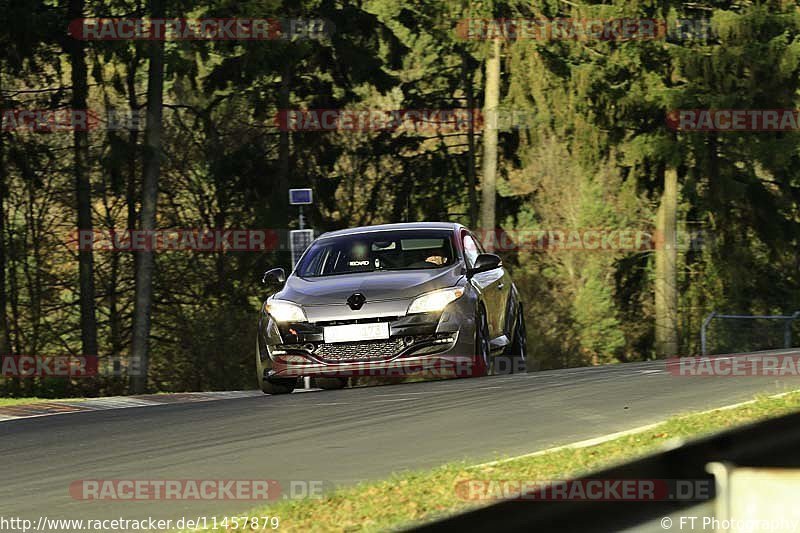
{"x": 471, "y": 250}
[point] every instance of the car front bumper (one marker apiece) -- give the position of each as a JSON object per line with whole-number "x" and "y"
{"x": 427, "y": 344}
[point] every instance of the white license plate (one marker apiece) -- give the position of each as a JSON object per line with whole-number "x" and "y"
{"x": 356, "y": 332}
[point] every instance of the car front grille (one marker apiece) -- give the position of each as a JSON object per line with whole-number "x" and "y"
{"x": 368, "y": 320}
{"x": 359, "y": 351}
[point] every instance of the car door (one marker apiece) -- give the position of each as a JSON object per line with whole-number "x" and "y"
{"x": 488, "y": 283}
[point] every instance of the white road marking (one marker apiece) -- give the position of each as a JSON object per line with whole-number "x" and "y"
{"x": 580, "y": 444}
{"x": 407, "y": 393}
{"x": 395, "y": 400}
{"x": 611, "y": 436}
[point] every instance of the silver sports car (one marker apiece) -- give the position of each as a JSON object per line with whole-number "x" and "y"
{"x": 391, "y": 300}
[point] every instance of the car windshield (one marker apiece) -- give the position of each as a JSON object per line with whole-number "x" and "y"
{"x": 368, "y": 252}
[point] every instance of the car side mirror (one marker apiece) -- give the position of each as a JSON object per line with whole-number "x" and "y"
{"x": 274, "y": 277}
{"x": 485, "y": 262}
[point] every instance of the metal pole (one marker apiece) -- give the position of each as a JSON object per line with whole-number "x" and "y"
{"x": 787, "y": 333}
{"x": 787, "y": 330}
{"x": 703, "y": 336}
{"x": 301, "y": 223}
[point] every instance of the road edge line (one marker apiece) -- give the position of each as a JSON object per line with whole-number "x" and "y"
{"x": 611, "y": 436}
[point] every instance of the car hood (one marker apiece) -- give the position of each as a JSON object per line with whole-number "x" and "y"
{"x": 375, "y": 286}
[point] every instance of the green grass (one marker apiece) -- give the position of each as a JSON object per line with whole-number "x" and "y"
{"x": 8, "y": 402}
{"x": 408, "y": 498}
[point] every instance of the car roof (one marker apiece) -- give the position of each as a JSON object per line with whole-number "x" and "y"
{"x": 452, "y": 226}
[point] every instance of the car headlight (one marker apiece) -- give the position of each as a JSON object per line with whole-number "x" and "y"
{"x": 435, "y": 300}
{"x": 283, "y": 311}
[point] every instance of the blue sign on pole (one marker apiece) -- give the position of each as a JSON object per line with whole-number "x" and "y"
{"x": 300, "y": 196}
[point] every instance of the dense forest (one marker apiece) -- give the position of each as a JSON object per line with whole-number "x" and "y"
{"x": 555, "y": 129}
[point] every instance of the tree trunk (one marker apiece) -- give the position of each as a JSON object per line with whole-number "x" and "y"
{"x": 151, "y": 171}
{"x": 131, "y": 189}
{"x": 490, "y": 108}
{"x": 80, "y": 89}
{"x": 5, "y": 344}
{"x": 133, "y": 142}
{"x": 467, "y": 80}
{"x": 666, "y": 287}
{"x": 281, "y": 191}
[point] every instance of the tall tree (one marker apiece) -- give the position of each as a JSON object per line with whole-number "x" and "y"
{"x": 666, "y": 279}
{"x": 4, "y": 341}
{"x": 490, "y": 136}
{"x": 284, "y": 139}
{"x": 467, "y": 80}
{"x": 152, "y": 168}
{"x": 81, "y": 173}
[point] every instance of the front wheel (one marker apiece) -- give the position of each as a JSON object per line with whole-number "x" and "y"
{"x": 278, "y": 386}
{"x": 519, "y": 346}
{"x": 482, "y": 364}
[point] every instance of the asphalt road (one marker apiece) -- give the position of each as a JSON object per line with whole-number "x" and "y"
{"x": 336, "y": 437}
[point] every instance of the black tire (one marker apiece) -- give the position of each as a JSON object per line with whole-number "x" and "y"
{"x": 519, "y": 345}
{"x": 482, "y": 362}
{"x": 278, "y": 386}
{"x": 330, "y": 383}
